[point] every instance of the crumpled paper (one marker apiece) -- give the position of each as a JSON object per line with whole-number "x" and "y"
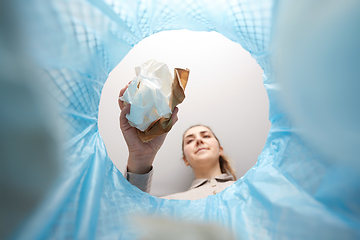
{"x": 153, "y": 95}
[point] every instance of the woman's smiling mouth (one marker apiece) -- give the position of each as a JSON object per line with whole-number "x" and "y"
{"x": 200, "y": 149}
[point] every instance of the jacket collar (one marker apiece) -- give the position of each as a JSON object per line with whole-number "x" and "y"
{"x": 221, "y": 178}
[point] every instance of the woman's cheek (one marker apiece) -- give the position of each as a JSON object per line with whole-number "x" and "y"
{"x": 186, "y": 150}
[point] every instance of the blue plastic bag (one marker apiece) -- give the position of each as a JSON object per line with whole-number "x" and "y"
{"x": 293, "y": 192}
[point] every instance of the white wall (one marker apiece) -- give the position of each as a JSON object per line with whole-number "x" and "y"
{"x": 224, "y": 91}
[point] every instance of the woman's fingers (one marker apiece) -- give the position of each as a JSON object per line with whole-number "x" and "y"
{"x": 123, "y": 120}
{"x": 122, "y": 91}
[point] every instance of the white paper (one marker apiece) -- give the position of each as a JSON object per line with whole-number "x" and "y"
{"x": 149, "y": 94}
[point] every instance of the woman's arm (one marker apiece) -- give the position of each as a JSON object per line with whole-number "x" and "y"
{"x": 141, "y": 155}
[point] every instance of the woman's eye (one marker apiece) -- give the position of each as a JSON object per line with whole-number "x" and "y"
{"x": 206, "y": 136}
{"x": 189, "y": 141}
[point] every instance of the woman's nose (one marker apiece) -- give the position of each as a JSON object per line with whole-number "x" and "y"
{"x": 199, "y": 141}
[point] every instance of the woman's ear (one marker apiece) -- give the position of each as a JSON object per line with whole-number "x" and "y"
{"x": 186, "y": 161}
{"x": 221, "y": 151}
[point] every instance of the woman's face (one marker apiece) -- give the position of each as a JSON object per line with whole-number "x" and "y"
{"x": 201, "y": 149}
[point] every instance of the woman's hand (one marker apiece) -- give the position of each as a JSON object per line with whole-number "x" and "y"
{"x": 141, "y": 155}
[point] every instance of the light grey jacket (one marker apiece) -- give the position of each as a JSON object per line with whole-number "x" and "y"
{"x": 200, "y": 188}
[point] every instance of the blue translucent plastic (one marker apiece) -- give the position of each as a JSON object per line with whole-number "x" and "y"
{"x": 291, "y": 192}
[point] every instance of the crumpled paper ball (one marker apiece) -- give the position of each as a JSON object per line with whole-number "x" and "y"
{"x": 153, "y": 95}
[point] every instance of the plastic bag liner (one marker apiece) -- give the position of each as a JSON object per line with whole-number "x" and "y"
{"x": 290, "y": 193}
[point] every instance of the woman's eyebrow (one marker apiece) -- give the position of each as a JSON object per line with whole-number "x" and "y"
{"x": 190, "y": 135}
{"x": 203, "y": 132}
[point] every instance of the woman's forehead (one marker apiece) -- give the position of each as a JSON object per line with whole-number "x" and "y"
{"x": 196, "y": 130}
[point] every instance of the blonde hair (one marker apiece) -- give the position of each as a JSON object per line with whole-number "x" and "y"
{"x": 224, "y": 161}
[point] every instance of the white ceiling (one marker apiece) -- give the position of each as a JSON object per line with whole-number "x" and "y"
{"x": 224, "y": 91}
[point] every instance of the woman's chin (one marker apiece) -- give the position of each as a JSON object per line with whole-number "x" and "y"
{"x": 205, "y": 158}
